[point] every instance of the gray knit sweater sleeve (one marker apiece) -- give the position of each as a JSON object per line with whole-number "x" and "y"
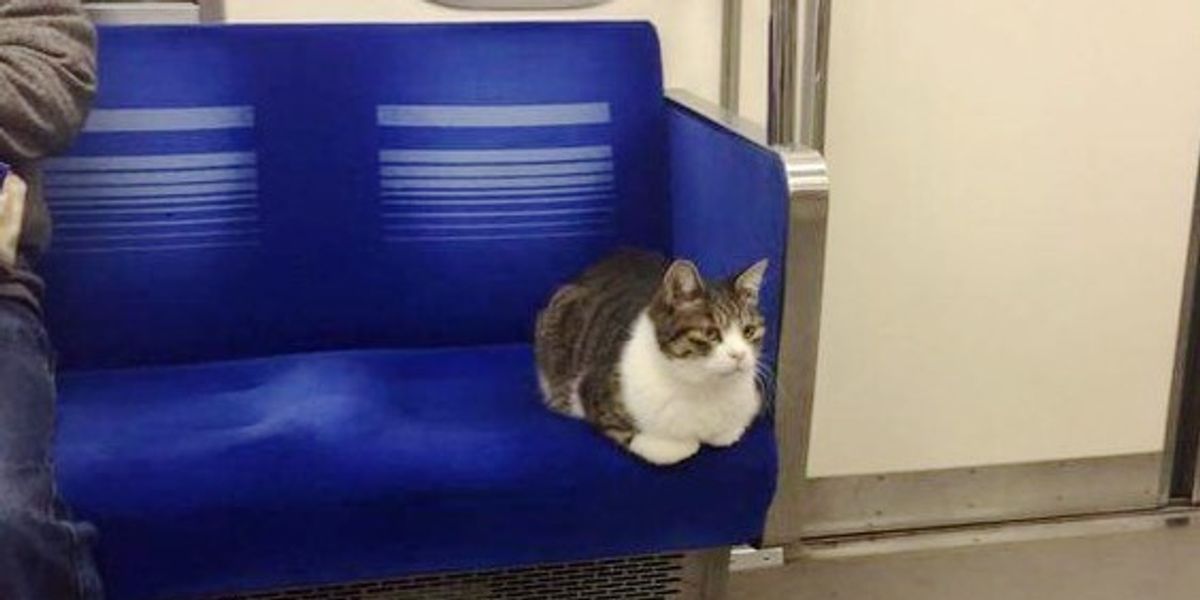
{"x": 47, "y": 79}
{"x": 47, "y": 75}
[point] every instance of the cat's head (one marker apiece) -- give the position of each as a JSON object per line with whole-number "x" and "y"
{"x": 709, "y": 330}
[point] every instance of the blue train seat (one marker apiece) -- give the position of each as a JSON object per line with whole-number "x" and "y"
{"x": 293, "y": 282}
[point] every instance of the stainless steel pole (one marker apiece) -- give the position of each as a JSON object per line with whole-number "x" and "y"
{"x": 808, "y": 183}
{"x": 796, "y": 101}
{"x": 731, "y": 55}
{"x": 781, "y": 95}
{"x": 813, "y": 80}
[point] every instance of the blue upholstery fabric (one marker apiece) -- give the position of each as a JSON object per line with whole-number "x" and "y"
{"x": 314, "y": 240}
{"x": 293, "y": 283}
{"x": 730, "y": 208}
{"x": 354, "y": 465}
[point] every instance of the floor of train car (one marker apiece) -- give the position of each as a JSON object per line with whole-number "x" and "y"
{"x": 1150, "y": 561}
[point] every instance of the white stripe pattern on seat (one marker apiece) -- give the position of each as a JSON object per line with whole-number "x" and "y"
{"x": 605, "y": 190}
{"x": 152, "y": 191}
{"x": 492, "y": 115}
{"x": 497, "y": 193}
{"x": 150, "y": 177}
{"x": 203, "y": 160}
{"x": 498, "y": 237}
{"x": 505, "y": 155}
{"x": 526, "y": 170}
{"x": 404, "y": 183}
{"x": 109, "y": 120}
{"x": 154, "y": 202}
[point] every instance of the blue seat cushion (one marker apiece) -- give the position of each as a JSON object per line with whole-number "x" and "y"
{"x": 339, "y": 466}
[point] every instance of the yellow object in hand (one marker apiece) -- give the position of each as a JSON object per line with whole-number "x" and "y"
{"x": 12, "y": 213}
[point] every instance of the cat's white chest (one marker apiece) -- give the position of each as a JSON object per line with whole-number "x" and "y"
{"x": 713, "y": 412}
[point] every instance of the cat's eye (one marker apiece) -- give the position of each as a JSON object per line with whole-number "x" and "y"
{"x": 713, "y": 334}
{"x": 750, "y": 331}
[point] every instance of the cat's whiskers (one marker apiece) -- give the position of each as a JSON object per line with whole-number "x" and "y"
{"x": 764, "y": 377}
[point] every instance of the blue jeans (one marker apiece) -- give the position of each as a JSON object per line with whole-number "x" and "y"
{"x": 43, "y": 554}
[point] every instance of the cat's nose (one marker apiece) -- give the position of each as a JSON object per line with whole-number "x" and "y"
{"x": 737, "y": 355}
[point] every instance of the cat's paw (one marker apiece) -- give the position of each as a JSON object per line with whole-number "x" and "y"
{"x": 662, "y": 451}
{"x": 726, "y": 438}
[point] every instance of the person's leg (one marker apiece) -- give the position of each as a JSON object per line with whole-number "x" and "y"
{"x": 43, "y": 555}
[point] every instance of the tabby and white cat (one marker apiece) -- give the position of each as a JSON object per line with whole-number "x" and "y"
{"x": 653, "y": 355}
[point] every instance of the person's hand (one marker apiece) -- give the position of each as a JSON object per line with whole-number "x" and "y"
{"x": 12, "y": 211}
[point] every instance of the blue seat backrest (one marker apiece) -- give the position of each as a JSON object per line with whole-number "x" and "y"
{"x": 242, "y": 191}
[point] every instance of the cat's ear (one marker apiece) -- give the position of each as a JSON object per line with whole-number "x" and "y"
{"x": 749, "y": 282}
{"x": 682, "y": 283}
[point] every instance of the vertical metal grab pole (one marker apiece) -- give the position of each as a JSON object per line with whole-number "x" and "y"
{"x": 804, "y": 267}
{"x": 781, "y": 96}
{"x": 804, "y": 92}
{"x": 731, "y": 55}
{"x": 813, "y": 73}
